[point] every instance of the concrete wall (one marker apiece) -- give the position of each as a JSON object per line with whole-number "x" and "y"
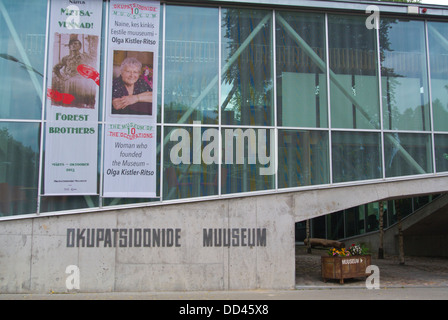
{"x": 35, "y": 252}
{"x": 258, "y": 251}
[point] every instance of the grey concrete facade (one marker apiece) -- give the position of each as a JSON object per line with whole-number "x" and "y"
{"x": 223, "y": 244}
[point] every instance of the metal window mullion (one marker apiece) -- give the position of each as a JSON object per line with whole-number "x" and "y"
{"x": 162, "y": 103}
{"x": 380, "y": 93}
{"x": 431, "y": 113}
{"x": 43, "y": 122}
{"x": 219, "y": 102}
{"x": 327, "y": 61}
{"x": 274, "y": 86}
{"x": 106, "y": 49}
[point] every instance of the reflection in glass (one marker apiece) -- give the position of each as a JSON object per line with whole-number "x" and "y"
{"x": 441, "y": 146}
{"x": 335, "y": 225}
{"x": 191, "y": 63}
{"x": 247, "y": 88}
{"x": 303, "y": 158}
{"x": 407, "y": 154}
{"x": 19, "y": 168}
{"x": 22, "y": 56}
{"x": 190, "y": 166}
{"x": 404, "y": 75}
{"x": 301, "y": 70}
{"x": 438, "y": 54}
{"x": 354, "y": 219}
{"x": 248, "y": 160}
{"x": 356, "y": 156}
{"x": 354, "y": 81}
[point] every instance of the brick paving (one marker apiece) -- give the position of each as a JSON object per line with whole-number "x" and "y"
{"x": 416, "y": 272}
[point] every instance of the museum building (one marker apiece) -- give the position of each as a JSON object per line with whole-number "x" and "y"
{"x": 176, "y": 145}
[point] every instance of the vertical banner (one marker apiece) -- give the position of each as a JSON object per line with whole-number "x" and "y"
{"x": 131, "y": 100}
{"x": 71, "y": 140}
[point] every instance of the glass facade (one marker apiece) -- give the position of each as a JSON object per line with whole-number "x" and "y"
{"x": 278, "y": 100}
{"x": 404, "y": 75}
{"x": 360, "y": 220}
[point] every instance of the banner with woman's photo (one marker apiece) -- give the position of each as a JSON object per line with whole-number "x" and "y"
{"x": 71, "y": 133}
{"x": 131, "y": 100}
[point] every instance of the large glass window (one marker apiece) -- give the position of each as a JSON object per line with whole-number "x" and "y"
{"x": 191, "y": 63}
{"x": 438, "y": 53}
{"x": 248, "y": 160}
{"x": 247, "y": 80}
{"x": 191, "y": 157}
{"x": 353, "y": 73}
{"x": 356, "y": 156}
{"x": 301, "y": 70}
{"x": 404, "y": 75}
{"x": 303, "y": 158}
{"x": 407, "y": 154}
{"x": 19, "y": 167}
{"x": 22, "y": 57}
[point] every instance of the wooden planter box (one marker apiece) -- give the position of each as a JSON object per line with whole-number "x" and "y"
{"x": 344, "y": 267}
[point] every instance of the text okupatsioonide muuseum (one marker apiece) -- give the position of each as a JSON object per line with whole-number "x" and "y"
{"x": 162, "y": 237}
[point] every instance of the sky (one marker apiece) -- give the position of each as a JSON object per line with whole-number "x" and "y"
{"x": 444, "y": 2}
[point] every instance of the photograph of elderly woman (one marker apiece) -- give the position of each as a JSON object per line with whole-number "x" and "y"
{"x": 132, "y": 83}
{"x": 75, "y": 76}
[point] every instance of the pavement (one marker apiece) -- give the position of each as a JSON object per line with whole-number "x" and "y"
{"x": 420, "y": 278}
{"x": 416, "y": 272}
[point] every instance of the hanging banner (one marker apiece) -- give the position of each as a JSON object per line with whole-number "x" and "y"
{"x": 131, "y": 100}
{"x": 71, "y": 140}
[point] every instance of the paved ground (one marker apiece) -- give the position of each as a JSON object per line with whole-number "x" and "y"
{"x": 416, "y": 272}
{"x": 417, "y": 279}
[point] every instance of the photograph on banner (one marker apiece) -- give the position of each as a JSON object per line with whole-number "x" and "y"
{"x": 75, "y": 76}
{"x": 132, "y": 84}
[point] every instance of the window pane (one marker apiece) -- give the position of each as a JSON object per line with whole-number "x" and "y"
{"x": 318, "y": 227}
{"x": 248, "y": 160}
{"x": 356, "y": 156}
{"x": 22, "y": 57}
{"x": 407, "y": 154}
{"x": 19, "y": 168}
{"x": 303, "y": 158}
{"x": 373, "y": 216}
{"x": 438, "y": 53}
{"x": 441, "y": 142}
{"x": 354, "y": 221}
{"x": 247, "y": 88}
{"x": 404, "y": 75}
{"x": 191, "y": 63}
{"x": 190, "y": 162}
{"x": 354, "y": 76}
{"x": 301, "y": 70}
{"x": 335, "y": 225}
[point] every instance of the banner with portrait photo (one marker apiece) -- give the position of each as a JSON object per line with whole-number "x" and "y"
{"x": 131, "y": 100}
{"x": 71, "y": 133}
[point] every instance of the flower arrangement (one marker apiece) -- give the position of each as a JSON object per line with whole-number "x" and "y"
{"x": 339, "y": 252}
{"x": 353, "y": 250}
